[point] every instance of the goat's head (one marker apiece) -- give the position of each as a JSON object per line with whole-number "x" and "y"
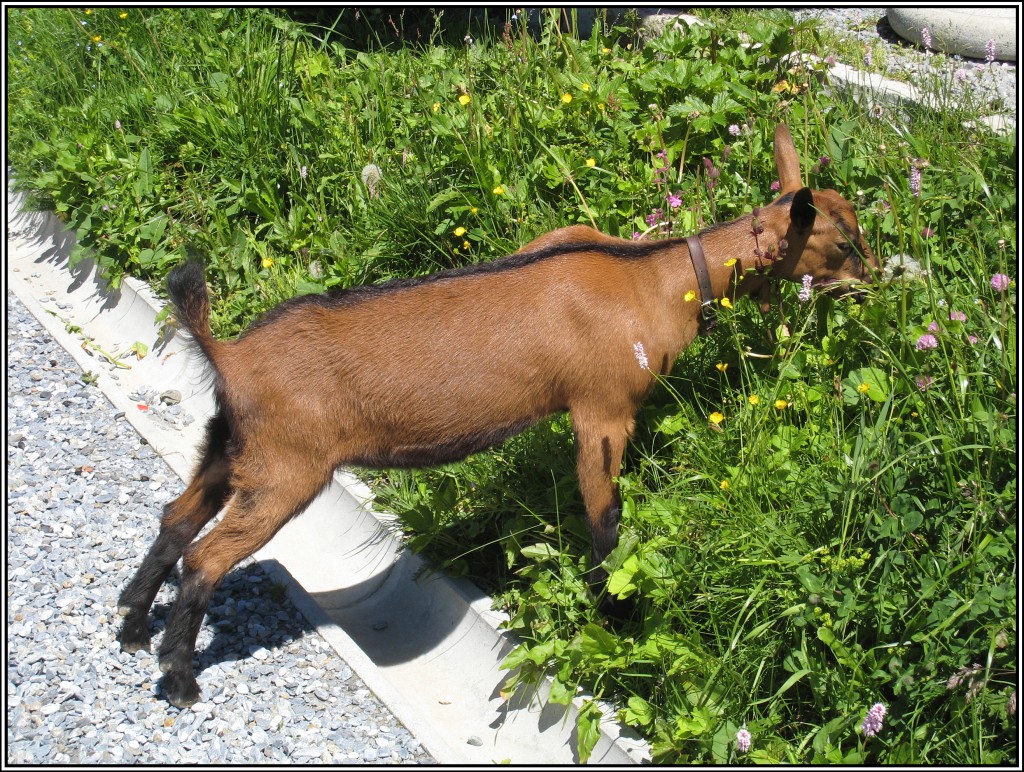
{"x": 823, "y": 239}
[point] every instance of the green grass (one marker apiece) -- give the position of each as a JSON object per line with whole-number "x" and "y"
{"x": 844, "y": 536}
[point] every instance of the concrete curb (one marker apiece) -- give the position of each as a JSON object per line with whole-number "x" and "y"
{"x": 428, "y": 646}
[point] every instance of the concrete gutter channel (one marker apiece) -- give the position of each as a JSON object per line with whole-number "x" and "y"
{"x": 428, "y": 645}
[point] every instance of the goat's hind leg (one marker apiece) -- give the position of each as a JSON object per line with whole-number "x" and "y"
{"x": 253, "y": 516}
{"x": 182, "y": 520}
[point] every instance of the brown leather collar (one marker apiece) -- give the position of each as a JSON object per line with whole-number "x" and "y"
{"x": 708, "y": 319}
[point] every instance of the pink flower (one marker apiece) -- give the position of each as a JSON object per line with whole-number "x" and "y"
{"x": 933, "y": 327}
{"x": 990, "y": 50}
{"x": 775, "y": 186}
{"x": 117, "y": 125}
{"x": 927, "y": 233}
{"x": 743, "y": 739}
{"x": 675, "y": 200}
{"x": 957, "y": 316}
{"x": 653, "y": 218}
{"x": 926, "y": 37}
{"x": 923, "y": 382}
{"x": 805, "y": 291}
{"x": 1000, "y": 282}
{"x": 872, "y": 723}
{"x": 926, "y": 342}
{"x": 734, "y": 129}
{"x": 915, "y": 180}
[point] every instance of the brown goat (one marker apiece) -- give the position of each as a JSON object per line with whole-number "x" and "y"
{"x": 426, "y": 371}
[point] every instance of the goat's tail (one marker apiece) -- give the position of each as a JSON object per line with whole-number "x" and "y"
{"x": 187, "y": 287}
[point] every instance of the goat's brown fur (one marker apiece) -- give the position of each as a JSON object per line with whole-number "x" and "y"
{"x": 421, "y": 372}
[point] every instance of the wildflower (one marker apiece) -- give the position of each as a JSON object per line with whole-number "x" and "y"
{"x": 675, "y": 200}
{"x": 267, "y": 262}
{"x": 303, "y": 171}
{"x": 824, "y": 161}
{"x": 566, "y": 98}
{"x": 722, "y": 366}
{"x": 117, "y": 125}
{"x": 864, "y": 388}
{"x": 464, "y": 100}
{"x": 591, "y": 162}
{"x": 1000, "y": 282}
{"x": 460, "y": 231}
{"x": 716, "y": 418}
{"x": 499, "y": 190}
{"x": 585, "y": 86}
{"x": 473, "y": 210}
{"x": 690, "y": 295}
{"x": 730, "y": 262}
{"x": 934, "y": 327}
{"x": 88, "y": 11}
{"x": 927, "y": 233}
{"x": 636, "y": 235}
{"x": 957, "y": 316}
{"x": 465, "y": 245}
{"x": 641, "y": 355}
{"x": 781, "y": 404}
{"x": 726, "y": 303}
{"x": 960, "y": 74}
{"x": 122, "y": 16}
{"x": 872, "y": 723}
{"x": 724, "y": 485}
{"x": 776, "y": 186}
{"x": 743, "y": 739}
{"x": 753, "y": 399}
{"x": 805, "y": 290}
{"x": 96, "y": 38}
{"x": 653, "y": 218}
{"x": 990, "y": 50}
{"x": 926, "y": 342}
{"x": 972, "y": 339}
{"x": 926, "y": 37}
{"x": 436, "y": 107}
{"x": 915, "y": 181}
{"x": 868, "y": 58}
{"x": 923, "y": 382}
{"x": 734, "y": 129}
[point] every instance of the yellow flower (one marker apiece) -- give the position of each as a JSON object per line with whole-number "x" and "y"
{"x": 606, "y": 50}
{"x": 473, "y": 210}
{"x": 465, "y": 245}
{"x": 88, "y": 11}
{"x": 460, "y": 231}
{"x": 96, "y": 38}
{"x": 781, "y": 404}
{"x": 585, "y": 87}
{"x": 753, "y": 399}
{"x": 716, "y": 418}
{"x": 864, "y": 388}
{"x": 724, "y": 485}
{"x": 267, "y": 262}
{"x": 600, "y": 106}
{"x": 730, "y": 262}
{"x": 721, "y": 366}
{"x": 689, "y": 296}
{"x": 726, "y": 303}
{"x": 591, "y": 162}
{"x": 436, "y": 106}
{"x": 464, "y": 100}
{"x": 567, "y": 98}
{"x": 499, "y": 191}
{"x": 122, "y": 16}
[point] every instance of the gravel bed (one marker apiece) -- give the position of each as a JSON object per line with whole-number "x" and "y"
{"x": 84, "y": 498}
{"x": 995, "y": 83}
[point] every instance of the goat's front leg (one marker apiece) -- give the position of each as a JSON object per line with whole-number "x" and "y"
{"x": 600, "y": 443}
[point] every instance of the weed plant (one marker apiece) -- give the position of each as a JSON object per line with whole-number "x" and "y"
{"x": 820, "y": 504}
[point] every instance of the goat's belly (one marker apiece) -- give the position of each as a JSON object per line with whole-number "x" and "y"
{"x": 449, "y": 446}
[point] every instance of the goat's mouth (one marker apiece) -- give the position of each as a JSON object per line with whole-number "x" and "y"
{"x": 842, "y": 288}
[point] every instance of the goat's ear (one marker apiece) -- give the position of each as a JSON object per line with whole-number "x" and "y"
{"x": 802, "y": 212}
{"x": 786, "y": 160}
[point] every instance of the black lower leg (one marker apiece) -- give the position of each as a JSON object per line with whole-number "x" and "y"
{"x": 137, "y": 598}
{"x": 179, "y": 642}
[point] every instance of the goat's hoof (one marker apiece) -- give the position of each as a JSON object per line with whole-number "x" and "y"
{"x": 134, "y": 636}
{"x": 180, "y": 689}
{"x": 618, "y": 609}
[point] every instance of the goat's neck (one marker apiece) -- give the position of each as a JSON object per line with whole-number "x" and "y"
{"x": 736, "y": 241}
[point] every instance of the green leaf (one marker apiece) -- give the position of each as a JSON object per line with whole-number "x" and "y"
{"x": 588, "y": 730}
